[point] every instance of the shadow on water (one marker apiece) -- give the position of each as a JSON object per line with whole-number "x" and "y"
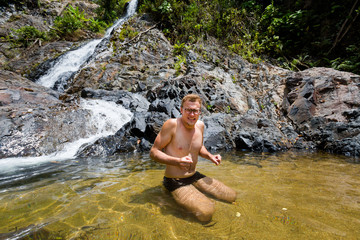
{"x": 32, "y": 232}
{"x": 80, "y": 168}
{"x": 29, "y": 176}
{"x": 160, "y": 197}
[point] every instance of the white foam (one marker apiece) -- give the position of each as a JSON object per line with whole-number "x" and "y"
{"x": 106, "y": 118}
{"x": 70, "y": 62}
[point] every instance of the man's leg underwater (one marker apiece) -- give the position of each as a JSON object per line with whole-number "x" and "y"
{"x": 194, "y": 201}
{"x": 216, "y": 188}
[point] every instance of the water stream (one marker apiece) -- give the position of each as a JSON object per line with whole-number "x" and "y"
{"x": 70, "y": 63}
{"x": 105, "y": 117}
{"x": 280, "y": 196}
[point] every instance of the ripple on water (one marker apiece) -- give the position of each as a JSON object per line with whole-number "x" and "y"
{"x": 280, "y": 196}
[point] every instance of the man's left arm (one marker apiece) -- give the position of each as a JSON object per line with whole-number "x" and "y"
{"x": 206, "y": 154}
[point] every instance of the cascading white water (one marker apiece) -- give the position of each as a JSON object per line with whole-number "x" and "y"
{"x": 106, "y": 118}
{"x": 69, "y": 63}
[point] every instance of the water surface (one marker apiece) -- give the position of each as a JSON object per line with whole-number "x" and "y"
{"x": 281, "y": 196}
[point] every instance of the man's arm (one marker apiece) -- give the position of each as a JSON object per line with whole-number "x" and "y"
{"x": 205, "y": 153}
{"x": 162, "y": 140}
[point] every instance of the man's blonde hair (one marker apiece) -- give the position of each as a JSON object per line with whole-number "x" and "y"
{"x": 191, "y": 98}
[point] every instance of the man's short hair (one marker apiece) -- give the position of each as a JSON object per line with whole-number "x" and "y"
{"x": 191, "y": 98}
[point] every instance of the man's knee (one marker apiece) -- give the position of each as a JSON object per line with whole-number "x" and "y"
{"x": 217, "y": 189}
{"x": 231, "y": 196}
{"x": 204, "y": 213}
{"x": 194, "y": 201}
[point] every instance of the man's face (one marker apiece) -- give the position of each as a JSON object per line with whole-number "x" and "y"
{"x": 190, "y": 113}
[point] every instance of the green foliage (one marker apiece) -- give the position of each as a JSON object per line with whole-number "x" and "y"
{"x": 297, "y": 33}
{"x": 228, "y": 109}
{"x": 74, "y": 19}
{"x": 95, "y": 25}
{"x": 180, "y": 49}
{"x": 351, "y": 63}
{"x": 26, "y": 35}
{"x": 127, "y": 32}
{"x": 180, "y": 64}
{"x": 165, "y": 7}
{"x": 110, "y": 10}
{"x": 71, "y": 21}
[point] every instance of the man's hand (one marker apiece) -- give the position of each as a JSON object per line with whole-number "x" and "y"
{"x": 216, "y": 159}
{"x": 185, "y": 162}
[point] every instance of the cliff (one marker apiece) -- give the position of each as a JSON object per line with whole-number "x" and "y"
{"x": 253, "y": 107}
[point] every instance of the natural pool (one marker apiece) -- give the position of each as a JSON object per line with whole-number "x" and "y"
{"x": 280, "y": 196}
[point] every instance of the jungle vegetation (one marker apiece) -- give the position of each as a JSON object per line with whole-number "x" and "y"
{"x": 295, "y": 34}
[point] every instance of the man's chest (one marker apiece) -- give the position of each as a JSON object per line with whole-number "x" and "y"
{"x": 187, "y": 142}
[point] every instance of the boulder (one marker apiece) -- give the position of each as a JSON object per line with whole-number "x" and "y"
{"x": 324, "y": 106}
{"x": 36, "y": 120}
{"x": 250, "y": 107}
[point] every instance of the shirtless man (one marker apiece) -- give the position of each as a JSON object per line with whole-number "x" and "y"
{"x": 178, "y": 145}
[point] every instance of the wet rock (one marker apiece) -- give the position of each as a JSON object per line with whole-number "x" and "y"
{"x": 251, "y": 132}
{"x": 324, "y": 106}
{"x": 34, "y": 121}
{"x": 217, "y": 136}
{"x": 252, "y": 107}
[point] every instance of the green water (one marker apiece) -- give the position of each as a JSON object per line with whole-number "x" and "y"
{"x": 282, "y": 196}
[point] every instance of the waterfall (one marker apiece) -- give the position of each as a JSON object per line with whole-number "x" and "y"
{"x": 106, "y": 118}
{"x": 69, "y": 63}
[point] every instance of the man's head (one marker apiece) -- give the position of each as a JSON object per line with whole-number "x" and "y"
{"x": 191, "y": 98}
{"x": 190, "y": 110}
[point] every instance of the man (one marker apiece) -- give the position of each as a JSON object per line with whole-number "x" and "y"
{"x": 178, "y": 145}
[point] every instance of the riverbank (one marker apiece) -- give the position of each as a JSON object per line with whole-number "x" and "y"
{"x": 253, "y": 107}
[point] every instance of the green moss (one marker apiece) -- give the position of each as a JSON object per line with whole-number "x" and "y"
{"x": 127, "y": 32}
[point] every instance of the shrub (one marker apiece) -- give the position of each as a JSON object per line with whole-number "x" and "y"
{"x": 127, "y": 32}
{"x": 96, "y": 25}
{"x": 74, "y": 19}
{"x": 110, "y": 10}
{"x": 299, "y": 34}
{"x": 71, "y": 21}
{"x": 26, "y": 35}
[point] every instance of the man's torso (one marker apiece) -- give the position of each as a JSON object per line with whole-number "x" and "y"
{"x": 184, "y": 142}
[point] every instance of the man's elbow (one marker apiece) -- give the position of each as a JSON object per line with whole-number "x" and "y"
{"x": 152, "y": 154}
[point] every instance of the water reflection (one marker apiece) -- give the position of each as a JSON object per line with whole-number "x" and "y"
{"x": 288, "y": 195}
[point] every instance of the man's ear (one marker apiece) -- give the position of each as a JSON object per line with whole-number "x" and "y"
{"x": 181, "y": 110}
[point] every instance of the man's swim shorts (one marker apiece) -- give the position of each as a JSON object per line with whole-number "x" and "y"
{"x": 172, "y": 184}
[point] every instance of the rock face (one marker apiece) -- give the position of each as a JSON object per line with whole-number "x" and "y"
{"x": 35, "y": 120}
{"x": 41, "y": 15}
{"x": 324, "y": 106}
{"x": 245, "y": 106}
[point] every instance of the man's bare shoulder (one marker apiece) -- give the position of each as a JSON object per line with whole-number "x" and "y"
{"x": 200, "y": 124}
{"x": 169, "y": 124}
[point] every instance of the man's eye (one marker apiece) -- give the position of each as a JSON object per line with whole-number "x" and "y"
{"x": 194, "y": 111}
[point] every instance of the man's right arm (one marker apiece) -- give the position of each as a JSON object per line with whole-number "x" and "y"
{"x": 162, "y": 140}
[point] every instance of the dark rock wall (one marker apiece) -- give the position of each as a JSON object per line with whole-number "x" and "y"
{"x": 245, "y": 106}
